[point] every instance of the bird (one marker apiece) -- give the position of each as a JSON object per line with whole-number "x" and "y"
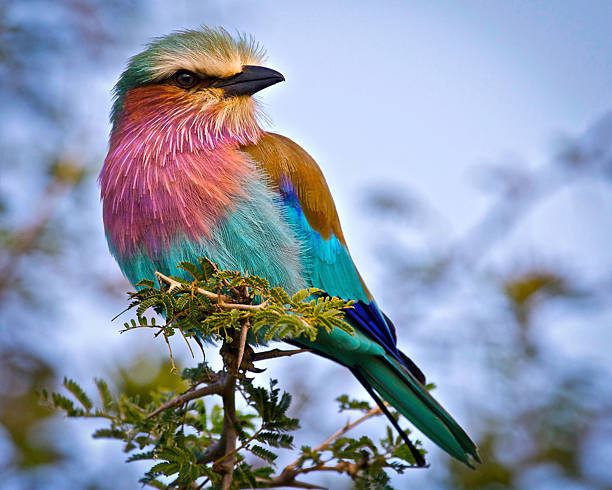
{"x": 190, "y": 173}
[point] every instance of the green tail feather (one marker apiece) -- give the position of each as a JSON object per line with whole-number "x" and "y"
{"x": 396, "y": 385}
{"x": 408, "y": 396}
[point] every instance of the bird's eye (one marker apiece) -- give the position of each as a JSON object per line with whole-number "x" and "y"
{"x": 185, "y": 79}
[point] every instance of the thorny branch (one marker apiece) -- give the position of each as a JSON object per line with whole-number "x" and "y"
{"x": 274, "y": 353}
{"x": 221, "y": 299}
{"x": 216, "y": 455}
{"x": 287, "y": 477}
{"x": 215, "y": 388}
{"x": 349, "y": 425}
{"x": 227, "y": 443}
{"x": 222, "y": 452}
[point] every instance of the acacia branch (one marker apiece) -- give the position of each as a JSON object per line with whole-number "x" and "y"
{"x": 243, "y": 338}
{"x": 241, "y": 447}
{"x": 222, "y": 451}
{"x": 274, "y": 353}
{"x": 287, "y": 477}
{"x": 215, "y": 388}
{"x": 229, "y": 434}
{"x": 220, "y": 299}
{"x": 274, "y": 483}
{"x": 349, "y": 425}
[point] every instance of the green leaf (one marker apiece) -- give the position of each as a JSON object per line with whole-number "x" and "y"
{"x": 403, "y": 453}
{"x": 304, "y": 293}
{"x": 105, "y": 394}
{"x": 146, "y": 283}
{"x": 192, "y": 269}
{"x": 165, "y": 468}
{"x": 109, "y": 434}
{"x": 263, "y": 453}
{"x": 61, "y": 402}
{"x": 141, "y": 456}
{"x": 347, "y": 403}
{"x": 275, "y": 439}
{"x": 244, "y": 477}
{"x": 280, "y": 296}
{"x": 78, "y": 393}
{"x": 152, "y": 482}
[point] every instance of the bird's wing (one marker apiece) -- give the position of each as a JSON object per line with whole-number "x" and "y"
{"x": 371, "y": 354}
{"x": 308, "y": 203}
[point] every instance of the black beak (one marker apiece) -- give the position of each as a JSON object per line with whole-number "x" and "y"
{"x": 250, "y": 80}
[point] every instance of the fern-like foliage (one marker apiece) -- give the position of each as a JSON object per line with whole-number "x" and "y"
{"x": 191, "y": 443}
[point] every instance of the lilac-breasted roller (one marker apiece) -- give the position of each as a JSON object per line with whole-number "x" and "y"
{"x": 190, "y": 173}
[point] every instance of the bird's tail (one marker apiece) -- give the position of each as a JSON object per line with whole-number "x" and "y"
{"x": 404, "y": 392}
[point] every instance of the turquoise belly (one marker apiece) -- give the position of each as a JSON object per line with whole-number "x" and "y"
{"x": 255, "y": 237}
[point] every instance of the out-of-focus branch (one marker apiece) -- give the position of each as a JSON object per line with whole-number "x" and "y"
{"x": 287, "y": 477}
{"x": 65, "y": 176}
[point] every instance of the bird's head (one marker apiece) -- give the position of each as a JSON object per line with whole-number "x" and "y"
{"x": 194, "y": 81}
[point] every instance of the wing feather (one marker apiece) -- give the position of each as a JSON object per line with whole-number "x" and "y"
{"x": 310, "y": 208}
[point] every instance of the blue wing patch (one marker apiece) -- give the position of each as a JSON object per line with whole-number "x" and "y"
{"x": 328, "y": 266}
{"x": 370, "y": 320}
{"x": 327, "y": 263}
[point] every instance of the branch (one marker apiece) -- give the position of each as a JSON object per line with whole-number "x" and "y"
{"x": 291, "y": 484}
{"x": 239, "y": 448}
{"x": 287, "y": 476}
{"x": 221, "y": 299}
{"x": 349, "y": 425}
{"x": 243, "y": 338}
{"x": 271, "y": 354}
{"x": 215, "y": 388}
{"x": 229, "y": 434}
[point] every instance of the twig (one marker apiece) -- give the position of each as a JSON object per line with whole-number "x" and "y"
{"x": 242, "y": 446}
{"x": 216, "y": 269}
{"x": 219, "y": 298}
{"x": 287, "y": 476}
{"x": 174, "y": 370}
{"x": 271, "y": 354}
{"x": 201, "y": 485}
{"x": 187, "y": 342}
{"x": 349, "y": 425}
{"x": 243, "y": 338}
{"x": 215, "y": 388}
{"x": 229, "y": 434}
{"x": 291, "y": 484}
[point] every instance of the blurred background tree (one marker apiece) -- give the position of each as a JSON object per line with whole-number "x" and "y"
{"x": 542, "y": 410}
{"x": 502, "y": 296}
{"x": 51, "y": 53}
